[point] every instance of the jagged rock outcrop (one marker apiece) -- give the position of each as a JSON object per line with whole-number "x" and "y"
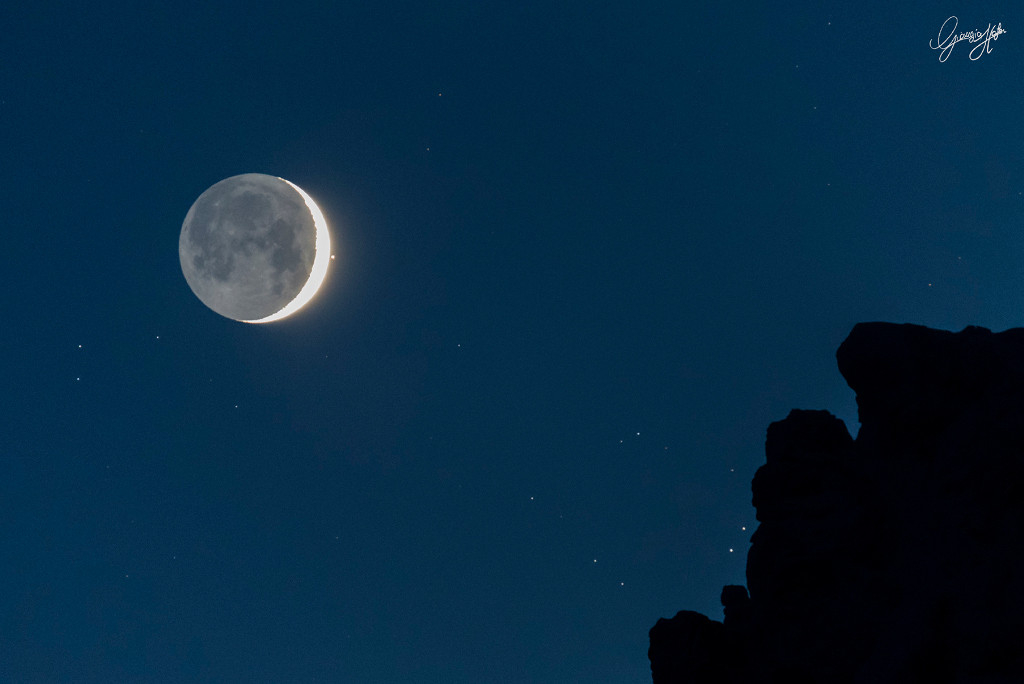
{"x": 892, "y": 557}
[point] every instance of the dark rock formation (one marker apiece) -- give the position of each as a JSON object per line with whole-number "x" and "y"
{"x": 892, "y": 557}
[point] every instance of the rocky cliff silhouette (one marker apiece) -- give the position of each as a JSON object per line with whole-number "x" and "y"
{"x": 890, "y": 558}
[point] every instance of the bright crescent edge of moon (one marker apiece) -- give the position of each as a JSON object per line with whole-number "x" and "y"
{"x": 320, "y": 261}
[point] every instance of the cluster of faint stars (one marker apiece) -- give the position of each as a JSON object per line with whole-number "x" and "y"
{"x": 593, "y": 561}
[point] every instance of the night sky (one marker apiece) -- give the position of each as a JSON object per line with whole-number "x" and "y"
{"x": 585, "y": 254}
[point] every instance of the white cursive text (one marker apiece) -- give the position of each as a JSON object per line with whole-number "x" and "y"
{"x": 982, "y": 38}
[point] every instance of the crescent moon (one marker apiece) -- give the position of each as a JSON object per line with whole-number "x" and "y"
{"x": 254, "y": 248}
{"x": 320, "y": 261}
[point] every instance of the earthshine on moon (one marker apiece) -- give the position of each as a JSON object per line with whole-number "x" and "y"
{"x": 254, "y": 248}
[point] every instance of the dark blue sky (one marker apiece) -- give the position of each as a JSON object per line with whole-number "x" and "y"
{"x": 585, "y": 255}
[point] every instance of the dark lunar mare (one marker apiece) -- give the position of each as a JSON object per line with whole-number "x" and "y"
{"x": 247, "y": 246}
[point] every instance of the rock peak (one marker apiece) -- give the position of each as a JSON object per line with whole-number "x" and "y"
{"x": 889, "y": 558}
